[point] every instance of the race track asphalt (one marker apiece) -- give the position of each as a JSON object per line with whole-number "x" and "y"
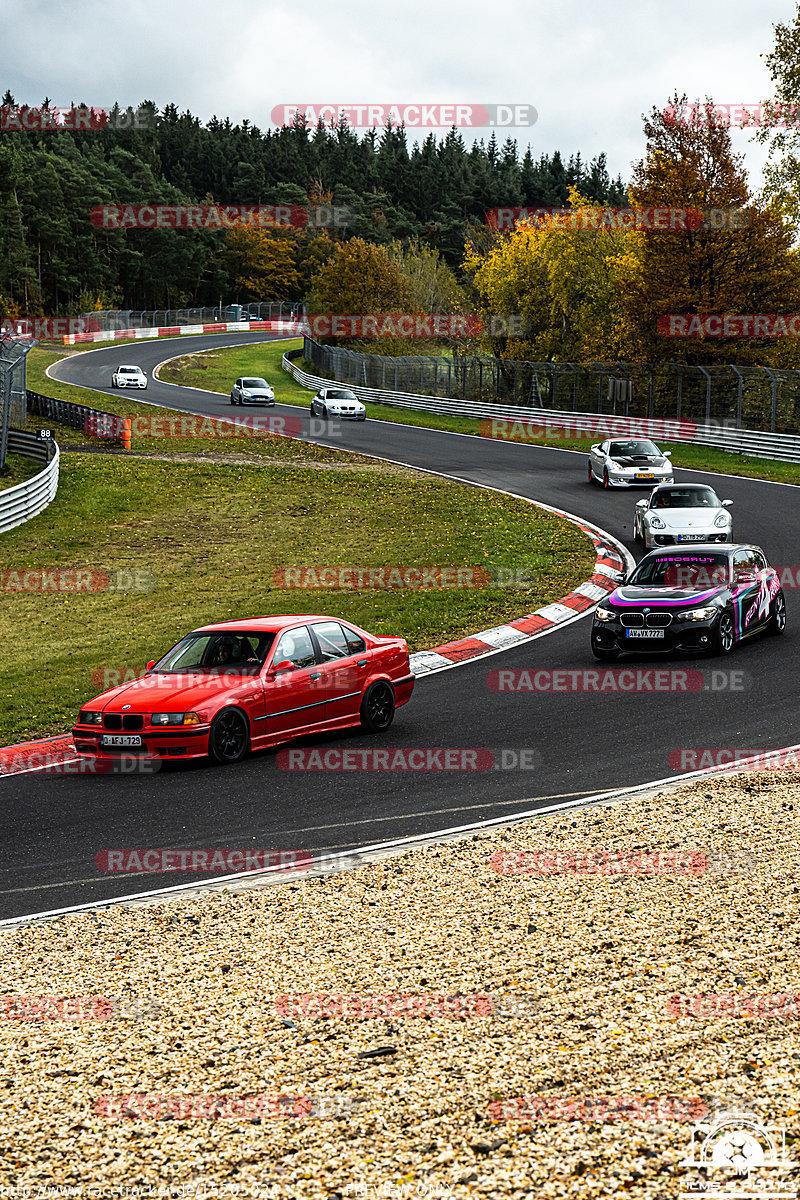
{"x": 53, "y": 826}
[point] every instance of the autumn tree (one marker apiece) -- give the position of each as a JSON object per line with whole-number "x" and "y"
{"x": 704, "y": 270}
{"x": 260, "y": 265}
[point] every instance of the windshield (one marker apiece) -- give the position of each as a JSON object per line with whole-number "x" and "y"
{"x": 217, "y": 653}
{"x": 694, "y": 572}
{"x": 341, "y": 395}
{"x": 626, "y": 449}
{"x": 686, "y": 497}
{"x": 255, "y": 383}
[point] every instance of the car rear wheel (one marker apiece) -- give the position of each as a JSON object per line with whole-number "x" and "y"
{"x": 324, "y": 413}
{"x": 777, "y": 622}
{"x": 377, "y": 707}
{"x": 232, "y": 399}
{"x": 229, "y": 738}
{"x": 724, "y": 636}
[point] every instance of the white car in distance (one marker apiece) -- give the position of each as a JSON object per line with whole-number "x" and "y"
{"x": 674, "y": 514}
{"x": 129, "y": 377}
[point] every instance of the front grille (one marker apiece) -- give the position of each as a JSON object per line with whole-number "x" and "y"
{"x": 129, "y": 721}
{"x": 632, "y": 620}
{"x": 658, "y": 620}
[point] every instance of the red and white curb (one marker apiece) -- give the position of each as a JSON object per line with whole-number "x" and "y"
{"x": 113, "y": 335}
{"x": 612, "y": 558}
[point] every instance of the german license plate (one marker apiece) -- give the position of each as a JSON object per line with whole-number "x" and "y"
{"x": 644, "y": 633}
{"x": 120, "y": 739}
{"x": 644, "y": 475}
{"x": 691, "y": 537}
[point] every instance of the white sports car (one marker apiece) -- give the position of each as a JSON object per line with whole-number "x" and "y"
{"x": 129, "y": 377}
{"x": 631, "y": 463}
{"x": 676, "y": 513}
{"x": 338, "y": 402}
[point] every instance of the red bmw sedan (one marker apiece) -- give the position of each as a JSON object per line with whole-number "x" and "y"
{"x": 240, "y": 685}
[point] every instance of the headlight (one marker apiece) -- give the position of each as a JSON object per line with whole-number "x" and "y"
{"x": 604, "y": 614}
{"x": 87, "y": 717}
{"x": 655, "y": 522}
{"x": 245, "y": 393}
{"x": 189, "y": 718}
{"x": 697, "y": 614}
{"x": 722, "y": 520}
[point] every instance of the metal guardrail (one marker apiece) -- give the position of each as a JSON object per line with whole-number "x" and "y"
{"x": 77, "y": 416}
{"x": 25, "y": 500}
{"x": 779, "y": 446}
{"x": 127, "y": 318}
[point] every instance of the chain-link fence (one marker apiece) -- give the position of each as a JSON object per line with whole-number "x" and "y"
{"x": 126, "y": 318}
{"x": 13, "y": 355}
{"x": 748, "y": 397}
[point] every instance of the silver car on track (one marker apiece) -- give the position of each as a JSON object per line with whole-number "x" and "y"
{"x": 632, "y": 462}
{"x": 676, "y": 513}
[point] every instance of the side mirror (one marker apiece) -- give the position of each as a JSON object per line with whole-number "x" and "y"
{"x": 745, "y": 577}
{"x": 150, "y": 665}
{"x": 667, "y": 453}
{"x": 727, "y": 503}
{"x": 622, "y": 579}
{"x": 281, "y": 667}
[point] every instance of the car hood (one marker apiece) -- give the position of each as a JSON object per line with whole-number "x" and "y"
{"x": 168, "y": 693}
{"x": 679, "y": 518}
{"x": 258, "y": 391}
{"x": 629, "y": 595}
{"x": 641, "y": 460}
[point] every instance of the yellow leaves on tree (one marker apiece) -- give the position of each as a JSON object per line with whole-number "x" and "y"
{"x": 261, "y": 266}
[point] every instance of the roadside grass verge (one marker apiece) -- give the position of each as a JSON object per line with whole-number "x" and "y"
{"x": 17, "y": 470}
{"x": 225, "y": 365}
{"x": 212, "y": 534}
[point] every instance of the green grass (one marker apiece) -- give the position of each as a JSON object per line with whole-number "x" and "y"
{"x": 224, "y": 366}
{"x": 17, "y": 470}
{"x": 212, "y": 534}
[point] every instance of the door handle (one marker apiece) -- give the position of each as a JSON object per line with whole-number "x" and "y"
{"x": 362, "y": 662}
{"x": 316, "y": 675}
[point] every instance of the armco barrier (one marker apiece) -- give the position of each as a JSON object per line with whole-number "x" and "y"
{"x": 24, "y": 500}
{"x": 77, "y": 415}
{"x": 780, "y": 446}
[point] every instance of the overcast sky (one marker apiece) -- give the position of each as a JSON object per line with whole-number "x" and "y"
{"x": 590, "y": 70}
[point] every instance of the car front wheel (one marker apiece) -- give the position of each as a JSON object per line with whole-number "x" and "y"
{"x": 724, "y": 636}
{"x": 777, "y": 622}
{"x": 229, "y": 738}
{"x": 377, "y": 707}
{"x": 590, "y": 474}
{"x": 606, "y": 483}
